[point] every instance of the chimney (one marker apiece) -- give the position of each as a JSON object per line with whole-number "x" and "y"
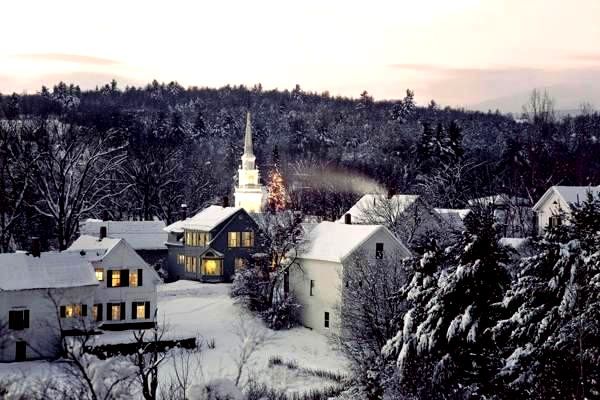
{"x": 35, "y": 246}
{"x": 348, "y": 219}
{"x": 102, "y": 232}
{"x": 183, "y": 212}
{"x": 105, "y": 215}
{"x": 225, "y": 201}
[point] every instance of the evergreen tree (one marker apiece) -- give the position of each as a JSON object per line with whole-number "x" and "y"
{"x": 277, "y": 197}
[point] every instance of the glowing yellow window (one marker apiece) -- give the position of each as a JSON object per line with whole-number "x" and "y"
{"x": 140, "y": 311}
{"x": 233, "y": 239}
{"x": 211, "y": 266}
{"x": 180, "y": 259}
{"x": 99, "y": 274}
{"x": 133, "y": 279}
{"x": 73, "y": 310}
{"x": 115, "y": 311}
{"x": 248, "y": 239}
{"x": 116, "y": 278}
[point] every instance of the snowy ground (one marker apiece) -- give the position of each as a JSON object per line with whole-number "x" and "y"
{"x": 192, "y": 309}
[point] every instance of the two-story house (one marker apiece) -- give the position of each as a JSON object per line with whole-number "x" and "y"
{"x": 554, "y": 206}
{"x": 317, "y": 282}
{"x": 212, "y": 245}
{"x": 125, "y": 297}
{"x": 42, "y": 296}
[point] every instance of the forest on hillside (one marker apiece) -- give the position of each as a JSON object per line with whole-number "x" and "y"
{"x": 140, "y": 152}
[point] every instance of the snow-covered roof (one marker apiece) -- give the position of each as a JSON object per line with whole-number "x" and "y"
{"x": 141, "y": 235}
{"x": 20, "y": 271}
{"x": 330, "y": 241}
{"x": 453, "y": 216}
{"x": 206, "y": 220}
{"x": 93, "y": 244}
{"x": 397, "y": 203}
{"x": 499, "y": 200}
{"x": 569, "y": 194}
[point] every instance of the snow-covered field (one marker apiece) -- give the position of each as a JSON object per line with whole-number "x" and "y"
{"x": 193, "y": 309}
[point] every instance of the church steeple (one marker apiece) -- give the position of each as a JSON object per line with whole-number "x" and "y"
{"x": 248, "y": 150}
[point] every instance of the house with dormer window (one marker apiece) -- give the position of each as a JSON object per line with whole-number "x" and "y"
{"x": 212, "y": 245}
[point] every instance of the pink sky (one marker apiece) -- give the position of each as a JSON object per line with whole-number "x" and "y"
{"x": 460, "y": 52}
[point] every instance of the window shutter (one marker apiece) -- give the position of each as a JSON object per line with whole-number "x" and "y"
{"x": 124, "y": 277}
{"x": 109, "y": 278}
{"x": 109, "y": 311}
{"x": 63, "y": 311}
{"x": 84, "y": 310}
{"x": 147, "y": 310}
{"x": 133, "y": 310}
{"x": 123, "y": 309}
{"x": 11, "y": 320}
{"x": 140, "y": 280}
{"x": 99, "y": 314}
{"x": 25, "y": 319}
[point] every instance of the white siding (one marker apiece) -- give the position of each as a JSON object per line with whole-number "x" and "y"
{"x": 551, "y": 207}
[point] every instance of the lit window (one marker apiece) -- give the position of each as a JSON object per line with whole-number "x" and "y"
{"x": 211, "y": 266}
{"x": 100, "y": 274}
{"x": 248, "y": 239}
{"x": 326, "y": 320}
{"x": 115, "y": 311}
{"x": 97, "y": 312}
{"x": 239, "y": 263}
{"x": 140, "y": 310}
{"x": 190, "y": 264}
{"x": 115, "y": 279}
{"x": 133, "y": 279}
{"x": 73, "y": 310}
{"x": 181, "y": 259}
{"x": 233, "y": 239}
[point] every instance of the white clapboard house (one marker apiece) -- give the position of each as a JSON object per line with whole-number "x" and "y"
{"x": 42, "y": 295}
{"x": 317, "y": 283}
{"x": 554, "y": 207}
{"x": 125, "y": 297}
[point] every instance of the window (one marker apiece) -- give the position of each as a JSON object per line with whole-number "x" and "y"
{"x": 140, "y": 310}
{"x": 97, "y": 312}
{"x": 18, "y": 319}
{"x": 555, "y": 221}
{"x": 326, "y": 320}
{"x": 100, "y": 274}
{"x": 212, "y": 266}
{"x": 181, "y": 259}
{"x": 379, "y": 251}
{"x": 233, "y": 239}
{"x": 191, "y": 264}
{"x": 133, "y": 279}
{"x": 73, "y": 311}
{"x": 193, "y": 238}
{"x": 115, "y": 279}
{"x": 20, "y": 351}
{"x": 312, "y": 287}
{"x": 239, "y": 263}
{"x": 248, "y": 239}
{"x": 115, "y": 311}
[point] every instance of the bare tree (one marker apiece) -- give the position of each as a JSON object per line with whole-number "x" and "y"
{"x": 540, "y": 108}
{"x": 148, "y": 359}
{"x": 252, "y": 338}
{"x": 72, "y": 174}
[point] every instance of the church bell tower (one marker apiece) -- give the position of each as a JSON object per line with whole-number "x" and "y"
{"x": 249, "y": 193}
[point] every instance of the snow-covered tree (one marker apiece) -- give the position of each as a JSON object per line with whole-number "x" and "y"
{"x": 446, "y": 331}
{"x": 551, "y": 333}
{"x": 277, "y": 197}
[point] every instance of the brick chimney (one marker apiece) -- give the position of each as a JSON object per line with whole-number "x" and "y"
{"x": 103, "y": 232}
{"x": 183, "y": 212}
{"x": 35, "y": 246}
{"x": 348, "y": 219}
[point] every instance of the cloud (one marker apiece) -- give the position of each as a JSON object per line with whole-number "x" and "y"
{"x": 69, "y": 58}
{"x": 85, "y": 79}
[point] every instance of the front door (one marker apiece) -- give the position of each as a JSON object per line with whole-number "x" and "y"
{"x": 21, "y": 351}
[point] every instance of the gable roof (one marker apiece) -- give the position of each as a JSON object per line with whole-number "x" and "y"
{"x": 398, "y": 204}
{"x": 454, "y": 217}
{"x": 569, "y": 194}
{"x": 206, "y": 220}
{"x": 92, "y": 243}
{"x": 331, "y": 241}
{"x": 21, "y": 271}
{"x": 141, "y": 235}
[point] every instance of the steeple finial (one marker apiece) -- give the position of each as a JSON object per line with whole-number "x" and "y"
{"x": 248, "y": 137}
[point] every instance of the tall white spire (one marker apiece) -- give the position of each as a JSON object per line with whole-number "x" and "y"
{"x": 249, "y": 193}
{"x": 248, "y": 136}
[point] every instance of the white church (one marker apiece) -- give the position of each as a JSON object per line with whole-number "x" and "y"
{"x": 249, "y": 193}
